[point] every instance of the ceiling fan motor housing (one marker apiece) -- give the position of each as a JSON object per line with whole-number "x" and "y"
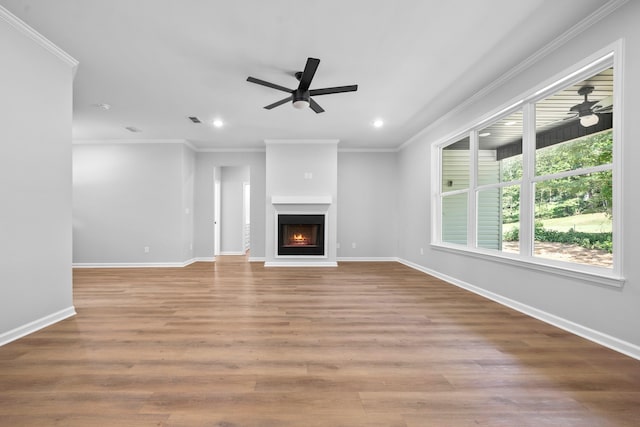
{"x": 300, "y": 98}
{"x": 584, "y": 108}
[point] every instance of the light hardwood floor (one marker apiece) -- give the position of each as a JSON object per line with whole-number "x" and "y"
{"x": 366, "y": 344}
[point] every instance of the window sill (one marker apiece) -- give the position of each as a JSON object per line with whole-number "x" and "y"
{"x": 595, "y": 275}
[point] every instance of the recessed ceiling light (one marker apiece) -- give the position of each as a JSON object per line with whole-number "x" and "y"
{"x": 218, "y": 123}
{"x": 102, "y": 106}
{"x": 484, "y": 134}
{"x": 378, "y": 123}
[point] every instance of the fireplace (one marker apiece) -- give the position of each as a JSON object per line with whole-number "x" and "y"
{"x": 301, "y": 235}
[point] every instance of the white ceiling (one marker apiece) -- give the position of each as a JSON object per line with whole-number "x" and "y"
{"x": 156, "y": 62}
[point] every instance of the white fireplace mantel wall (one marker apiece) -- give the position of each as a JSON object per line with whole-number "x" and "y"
{"x": 301, "y": 177}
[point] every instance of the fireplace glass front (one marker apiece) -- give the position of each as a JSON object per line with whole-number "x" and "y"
{"x": 300, "y": 234}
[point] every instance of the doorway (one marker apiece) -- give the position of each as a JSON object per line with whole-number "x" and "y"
{"x": 232, "y": 211}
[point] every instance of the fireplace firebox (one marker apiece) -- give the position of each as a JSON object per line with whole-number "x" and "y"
{"x": 300, "y": 234}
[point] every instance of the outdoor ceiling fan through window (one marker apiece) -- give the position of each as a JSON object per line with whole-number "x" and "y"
{"x": 301, "y": 96}
{"x": 586, "y": 110}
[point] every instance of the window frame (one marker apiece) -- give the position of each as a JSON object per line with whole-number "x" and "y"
{"x": 610, "y": 56}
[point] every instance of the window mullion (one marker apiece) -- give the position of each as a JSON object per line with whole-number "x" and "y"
{"x": 527, "y": 190}
{"x": 573, "y": 172}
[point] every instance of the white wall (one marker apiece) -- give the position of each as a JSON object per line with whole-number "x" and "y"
{"x": 35, "y": 182}
{"x": 130, "y": 196}
{"x": 367, "y": 205}
{"x": 231, "y": 209}
{"x": 604, "y": 313}
{"x": 203, "y": 199}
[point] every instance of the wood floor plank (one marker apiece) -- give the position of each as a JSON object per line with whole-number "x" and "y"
{"x": 233, "y": 344}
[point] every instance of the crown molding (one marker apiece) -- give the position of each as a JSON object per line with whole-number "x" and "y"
{"x": 191, "y": 145}
{"x": 301, "y": 141}
{"x": 604, "y": 11}
{"x": 197, "y": 149}
{"x": 23, "y": 28}
{"x": 230, "y": 150}
{"x": 184, "y": 142}
{"x": 132, "y": 141}
{"x": 367, "y": 150}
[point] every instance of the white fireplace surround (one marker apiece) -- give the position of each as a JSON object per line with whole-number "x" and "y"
{"x": 302, "y": 205}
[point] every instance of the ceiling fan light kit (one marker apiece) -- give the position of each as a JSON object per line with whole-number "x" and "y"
{"x": 301, "y": 96}
{"x": 585, "y": 109}
{"x": 589, "y": 120}
{"x": 300, "y": 104}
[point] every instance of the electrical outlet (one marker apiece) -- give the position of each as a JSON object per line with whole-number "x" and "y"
{"x": 421, "y": 251}
{"x": 337, "y": 245}
{"x": 353, "y": 245}
{"x": 146, "y": 249}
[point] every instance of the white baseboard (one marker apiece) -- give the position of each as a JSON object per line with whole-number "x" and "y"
{"x": 233, "y": 253}
{"x": 142, "y": 264}
{"x": 300, "y": 264}
{"x": 134, "y": 264}
{"x": 603, "y": 339}
{"x": 36, "y": 325}
{"x": 367, "y": 259}
{"x": 203, "y": 259}
{"x": 256, "y": 259}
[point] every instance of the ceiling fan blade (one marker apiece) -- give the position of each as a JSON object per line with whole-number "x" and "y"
{"x": 308, "y": 73}
{"x": 329, "y": 90}
{"x": 282, "y": 101}
{"x": 315, "y": 106}
{"x": 604, "y": 110}
{"x": 267, "y": 84}
{"x": 604, "y": 105}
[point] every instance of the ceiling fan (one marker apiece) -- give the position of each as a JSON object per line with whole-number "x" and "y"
{"x": 301, "y": 96}
{"x": 587, "y": 110}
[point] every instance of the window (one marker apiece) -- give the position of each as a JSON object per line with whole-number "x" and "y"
{"x": 499, "y": 179}
{"x": 536, "y": 182}
{"x": 573, "y": 182}
{"x": 455, "y": 189}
